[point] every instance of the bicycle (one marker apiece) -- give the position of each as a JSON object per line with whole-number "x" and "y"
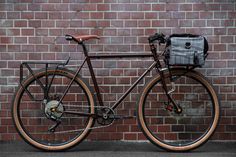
{"x": 54, "y": 108}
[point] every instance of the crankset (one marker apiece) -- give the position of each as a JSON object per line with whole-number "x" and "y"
{"x": 105, "y": 116}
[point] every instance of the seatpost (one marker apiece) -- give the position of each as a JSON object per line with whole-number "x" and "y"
{"x": 92, "y": 73}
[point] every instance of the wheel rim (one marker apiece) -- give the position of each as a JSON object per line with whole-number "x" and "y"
{"x": 35, "y": 129}
{"x": 178, "y": 131}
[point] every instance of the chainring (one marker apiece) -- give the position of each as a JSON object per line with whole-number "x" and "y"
{"x": 105, "y": 116}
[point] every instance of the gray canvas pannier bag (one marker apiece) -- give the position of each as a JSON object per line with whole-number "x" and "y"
{"x": 186, "y": 49}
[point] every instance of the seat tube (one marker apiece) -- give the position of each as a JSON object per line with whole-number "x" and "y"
{"x": 92, "y": 75}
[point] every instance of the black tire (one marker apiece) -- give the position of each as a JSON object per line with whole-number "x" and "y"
{"x": 33, "y": 119}
{"x": 187, "y": 130}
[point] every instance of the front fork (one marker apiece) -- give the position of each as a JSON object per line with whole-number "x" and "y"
{"x": 176, "y": 106}
{"x": 161, "y": 71}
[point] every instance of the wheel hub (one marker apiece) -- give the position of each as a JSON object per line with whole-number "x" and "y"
{"x": 53, "y": 110}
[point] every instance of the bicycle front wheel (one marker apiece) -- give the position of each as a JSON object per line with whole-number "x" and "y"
{"x": 42, "y": 121}
{"x": 179, "y": 131}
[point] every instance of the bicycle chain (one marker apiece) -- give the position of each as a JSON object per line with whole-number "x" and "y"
{"x": 96, "y": 127}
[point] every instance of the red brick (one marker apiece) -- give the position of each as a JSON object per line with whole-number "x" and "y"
{"x": 6, "y": 40}
{"x": 171, "y": 23}
{"x": 14, "y": 48}
{"x": 220, "y": 15}
{"x": 21, "y": 56}
{"x": 206, "y": 15}
{"x": 158, "y": 7}
{"x": 6, "y": 56}
{"x": 35, "y": 56}
{"x": 97, "y": 15}
{"x": 41, "y": 15}
{"x": 34, "y": 23}
{"x": 117, "y": 23}
{"x": 55, "y": 15}
{"x": 185, "y": 23}
{"x": 144, "y": 7}
{"x": 144, "y": 23}
{"x": 199, "y": 23}
{"x": 192, "y": 15}
{"x": 137, "y": 15}
{"x": 3, "y": 15}
{"x": 186, "y": 7}
{"x": 124, "y": 7}
{"x": 13, "y": 15}
{"x": 213, "y": 23}
{"x": 6, "y": 6}
{"x": 46, "y": 24}
{"x": 7, "y": 137}
{"x": 150, "y": 15}
{"x": 232, "y": 15}
{"x": 41, "y": 48}
{"x": 20, "y": 23}
{"x": 178, "y": 15}
{"x": 172, "y": 7}
{"x": 27, "y": 32}
{"x": 103, "y": 7}
{"x": 34, "y": 7}
{"x": 220, "y": 31}
{"x": 3, "y": 48}
{"x": 130, "y": 136}
{"x": 220, "y": 47}
{"x": 28, "y": 48}
{"x": 164, "y": 15}
{"x": 159, "y": 23}
{"x": 27, "y": 15}
{"x": 110, "y": 15}
{"x": 213, "y": 7}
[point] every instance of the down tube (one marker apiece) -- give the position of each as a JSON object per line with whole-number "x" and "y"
{"x": 133, "y": 85}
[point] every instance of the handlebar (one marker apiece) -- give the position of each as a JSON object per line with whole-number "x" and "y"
{"x": 157, "y": 36}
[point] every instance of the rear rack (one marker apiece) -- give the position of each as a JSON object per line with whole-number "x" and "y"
{"x": 46, "y": 87}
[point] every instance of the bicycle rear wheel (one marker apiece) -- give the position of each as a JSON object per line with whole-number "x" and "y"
{"x": 179, "y": 131}
{"x": 34, "y": 116}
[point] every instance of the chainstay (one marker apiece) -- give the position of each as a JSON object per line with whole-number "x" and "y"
{"x": 78, "y": 130}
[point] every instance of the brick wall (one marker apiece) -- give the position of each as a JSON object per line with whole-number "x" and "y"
{"x": 34, "y": 30}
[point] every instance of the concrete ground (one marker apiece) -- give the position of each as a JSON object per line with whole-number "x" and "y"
{"x": 118, "y": 149}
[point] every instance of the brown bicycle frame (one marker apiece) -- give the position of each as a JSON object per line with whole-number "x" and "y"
{"x": 88, "y": 59}
{"x": 156, "y": 64}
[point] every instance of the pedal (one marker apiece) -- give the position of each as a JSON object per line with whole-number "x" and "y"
{"x": 169, "y": 108}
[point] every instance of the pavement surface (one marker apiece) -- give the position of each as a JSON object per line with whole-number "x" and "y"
{"x": 118, "y": 149}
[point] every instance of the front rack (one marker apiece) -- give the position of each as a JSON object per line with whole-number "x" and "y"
{"x": 46, "y": 87}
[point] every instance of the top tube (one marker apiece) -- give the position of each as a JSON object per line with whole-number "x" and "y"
{"x": 120, "y": 56}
